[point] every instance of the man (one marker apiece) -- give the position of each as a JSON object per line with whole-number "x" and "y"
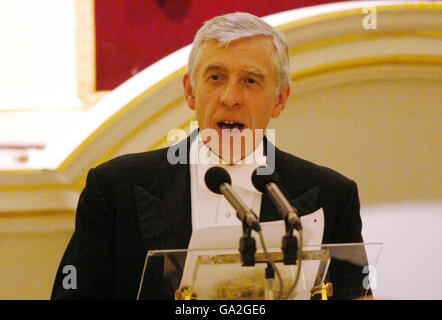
{"x": 237, "y": 80}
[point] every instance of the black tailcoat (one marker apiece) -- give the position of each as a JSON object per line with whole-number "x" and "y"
{"x": 140, "y": 202}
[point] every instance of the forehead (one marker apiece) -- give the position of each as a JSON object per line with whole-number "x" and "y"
{"x": 256, "y": 53}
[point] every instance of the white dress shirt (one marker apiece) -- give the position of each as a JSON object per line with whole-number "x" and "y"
{"x": 208, "y": 208}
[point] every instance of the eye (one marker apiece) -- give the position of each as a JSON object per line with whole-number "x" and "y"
{"x": 251, "y": 81}
{"x": 215, "y": 77}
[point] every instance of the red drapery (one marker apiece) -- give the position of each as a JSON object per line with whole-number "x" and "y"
{"x": 131, "y": 35}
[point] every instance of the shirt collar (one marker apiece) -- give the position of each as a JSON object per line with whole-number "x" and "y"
{"x": 207, "y": 156}
{"x": 240, "y": 172}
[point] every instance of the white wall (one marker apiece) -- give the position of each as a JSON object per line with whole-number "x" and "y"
{"x": 37, "y": 60}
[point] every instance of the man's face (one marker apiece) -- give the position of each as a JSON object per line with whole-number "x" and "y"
{"x": 235, "y": 90}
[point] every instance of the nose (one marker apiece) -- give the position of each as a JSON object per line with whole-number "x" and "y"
{"x": 232, "y": 94}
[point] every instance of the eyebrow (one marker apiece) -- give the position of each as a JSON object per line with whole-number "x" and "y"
{"x": 211, "y": 67}
{"x": 256, "y": 72}
{"x": 251, "y": 71}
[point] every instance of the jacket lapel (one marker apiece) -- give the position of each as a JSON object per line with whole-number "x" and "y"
{"x": 164, "y": 209}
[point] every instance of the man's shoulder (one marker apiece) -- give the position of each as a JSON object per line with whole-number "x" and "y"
{"x": 131, "y": 160}
{"x": 142, "y": 168}
{"x": 130, "y": 166}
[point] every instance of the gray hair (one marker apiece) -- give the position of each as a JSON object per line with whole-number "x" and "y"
{"x": 235, "y": 26}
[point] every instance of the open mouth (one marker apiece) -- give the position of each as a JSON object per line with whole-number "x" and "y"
{"x": 230, "y": 125}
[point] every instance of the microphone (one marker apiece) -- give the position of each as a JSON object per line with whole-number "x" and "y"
{"x": 267, "y": 183}
{"x": 218, "y": 181}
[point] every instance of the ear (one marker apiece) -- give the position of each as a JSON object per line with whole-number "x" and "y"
{"x": 281, "y": 103}
{"x": 188, "y": 91}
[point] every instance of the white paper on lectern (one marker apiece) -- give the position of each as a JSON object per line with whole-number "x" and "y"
{"x": 226, "y": 238}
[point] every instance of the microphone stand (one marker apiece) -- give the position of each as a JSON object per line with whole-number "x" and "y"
{"x": 289, "y": 242}
{"x": 247, "y": 246}
{"x": 289, "y": 245}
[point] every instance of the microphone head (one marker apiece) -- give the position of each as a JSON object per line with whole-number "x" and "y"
{"x": 260, "y": 180}
{"x": 215, "y": 177}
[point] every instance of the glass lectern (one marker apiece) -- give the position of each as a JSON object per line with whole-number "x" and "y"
{"x": 340, "y": 271}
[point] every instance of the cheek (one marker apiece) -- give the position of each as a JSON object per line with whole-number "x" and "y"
{"x": 263, "y": 113}
{"x": 205, "y": 104}
{"x": 202, "y": 112}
